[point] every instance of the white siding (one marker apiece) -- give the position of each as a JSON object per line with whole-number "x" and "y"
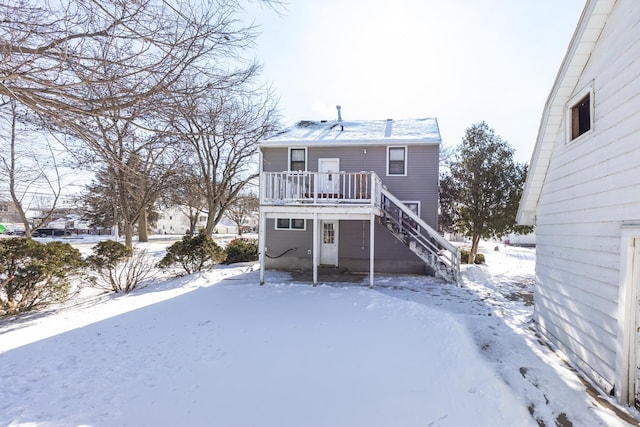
{"x": 592, "y": 187}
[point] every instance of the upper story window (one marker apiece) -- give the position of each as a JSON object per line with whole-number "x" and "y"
{"x": 581, "y": 117}
{"x": 396, "y": 160}
{"x": 580, "y": 114}
{"x": 297, "y": 159}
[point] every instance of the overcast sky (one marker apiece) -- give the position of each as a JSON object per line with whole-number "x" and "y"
{"x": 461, "y": 61}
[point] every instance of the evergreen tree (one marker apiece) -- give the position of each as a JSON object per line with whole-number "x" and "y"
{"x": 480, "y": 193}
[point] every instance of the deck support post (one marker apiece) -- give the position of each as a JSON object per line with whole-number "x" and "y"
{"x": 372, "y": 224}
{"x": 262, "y": 244}
{"x": 316, "y": 245}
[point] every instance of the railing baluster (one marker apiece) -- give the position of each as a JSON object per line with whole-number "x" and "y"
{"x": 305, "y": 187}
{"x": 344, "y": 185}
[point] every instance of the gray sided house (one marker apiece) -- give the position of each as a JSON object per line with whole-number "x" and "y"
{"x": 583, "y": 195}
{"x": 359, "y": 195}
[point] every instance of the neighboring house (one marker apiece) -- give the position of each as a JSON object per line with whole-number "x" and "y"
{"x": 583, "y": 196}
{"x": 174, "y": 220}
{"x": 525, "y": 240}
{"x": 8, "y": 212}
{"x": 69, "y": 219}
{"x": 226, "y": 226}
{"x": 360, "y": 195}
{"x": 71, "y": 222}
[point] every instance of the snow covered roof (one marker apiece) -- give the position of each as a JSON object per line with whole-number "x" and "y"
{"x": 345, "y": 132}
{"x": 591, "y": 24}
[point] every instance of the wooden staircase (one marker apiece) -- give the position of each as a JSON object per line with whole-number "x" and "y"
{"x": 435, "y": 251}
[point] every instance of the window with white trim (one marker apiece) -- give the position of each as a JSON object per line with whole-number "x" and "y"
{"x": 297, "y": 159}
{"x": 413, "y": 206}
{"x": 397, "y": 160}
{"x": 291, "y": 224}
{"x": 580, "y": 114}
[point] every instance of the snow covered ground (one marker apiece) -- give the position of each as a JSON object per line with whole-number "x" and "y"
{"x": 217, "y": 349}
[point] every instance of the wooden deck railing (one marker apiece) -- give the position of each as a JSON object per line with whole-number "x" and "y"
{"x": 320, "y": 188}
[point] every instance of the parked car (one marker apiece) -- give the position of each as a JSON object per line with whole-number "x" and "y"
{"x": 49, "y": 232}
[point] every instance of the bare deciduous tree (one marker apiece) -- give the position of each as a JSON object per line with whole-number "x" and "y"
{"x": 222, "y": 131}
{"x": 186, "y": 196}
{"x": 109, "y": 71}
{"x": 30, "y": 169}
{"x": 139, "y": 167}
{"x": 242, "y": 209}
{"x": 53, "y": 55}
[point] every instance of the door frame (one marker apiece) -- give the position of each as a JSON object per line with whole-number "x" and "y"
{"x": 333, "y": 260}
{"x": 626, "y": 370}
{"x": 336, "y": 183}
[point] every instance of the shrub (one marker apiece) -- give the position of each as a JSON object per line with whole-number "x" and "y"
{"x": 464, "y": 257}
{"x": 34, "y": 275}
{"x": 108, "y": 254}
{"x": 241, "y": 250}
{"x": 193, "y": 253}
{"x": 118, "y": 268}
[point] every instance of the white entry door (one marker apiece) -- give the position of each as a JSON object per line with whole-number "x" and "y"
{"x": 329, "y": 243}
{"x": 329, "y": 179}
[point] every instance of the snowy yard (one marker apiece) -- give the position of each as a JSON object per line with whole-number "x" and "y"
{"x": 217, "y": 349}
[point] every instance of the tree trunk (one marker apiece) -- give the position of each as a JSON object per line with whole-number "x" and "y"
{"x": 211, "y": 217}
{"x": 143, "y": 229}
{"x": 128, "y": 234}
{"x": 475, "y": 241}
{"x": 193, "y": 219}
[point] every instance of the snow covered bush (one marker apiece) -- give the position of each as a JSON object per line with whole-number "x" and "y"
{"x": 117, "y": 268}
{"x": 241, "y": 250}
{"x": 34, "y": 275}
{"x": 193, "y": 253}
{"x": 464, "y": 257}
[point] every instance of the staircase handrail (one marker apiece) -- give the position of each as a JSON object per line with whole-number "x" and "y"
{"x": 432, "y": 233}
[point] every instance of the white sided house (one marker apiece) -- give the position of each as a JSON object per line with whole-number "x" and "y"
{"x": 175, "y": 220}
{"x": 359, "y": 195}
{"x": 583, "y": 195}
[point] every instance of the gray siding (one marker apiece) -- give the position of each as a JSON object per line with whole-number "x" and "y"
{"x": 288, "y": 249}
{"x": 420, "y": 183}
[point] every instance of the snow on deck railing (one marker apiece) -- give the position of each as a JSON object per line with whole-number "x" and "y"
{"x": 320, "y": 187}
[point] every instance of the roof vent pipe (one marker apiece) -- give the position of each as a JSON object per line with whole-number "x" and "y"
{"x": 338, "y": 107}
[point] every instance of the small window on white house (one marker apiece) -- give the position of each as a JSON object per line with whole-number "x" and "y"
{"x": 297, "y": 159}
{"x": 290, "y": 224}
{"x": 580, "y": 114}
{"x": 396, "y": 160}
{"x": 581, "y": 117}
